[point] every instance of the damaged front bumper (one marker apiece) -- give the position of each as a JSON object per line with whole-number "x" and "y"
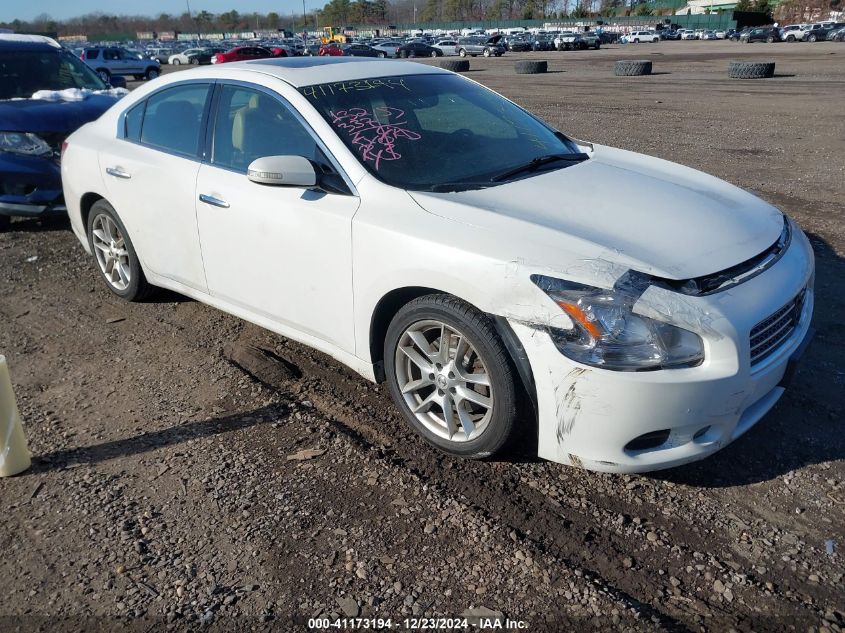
{"x": 30, "y": 186}
{"x": 627, "y": 422}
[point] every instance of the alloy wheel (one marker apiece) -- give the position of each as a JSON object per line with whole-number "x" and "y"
{"x": 444, "y": 381}
{"x": 110, "y": 250}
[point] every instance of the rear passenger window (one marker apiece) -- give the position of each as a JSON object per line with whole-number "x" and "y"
{"x": 173, "y": 119}
{"x": 92, "y": 53}
{"x": 132, "y": 122}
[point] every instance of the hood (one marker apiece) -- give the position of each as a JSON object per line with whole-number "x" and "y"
{"x": 659, "y": 217}
{"x": 495, "y": 39}
{"x": 39, "y": 115}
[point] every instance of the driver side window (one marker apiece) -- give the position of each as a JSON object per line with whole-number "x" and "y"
{"x": 250, "y": 124}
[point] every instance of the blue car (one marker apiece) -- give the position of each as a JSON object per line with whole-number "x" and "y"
{"x": 32, "y": 130}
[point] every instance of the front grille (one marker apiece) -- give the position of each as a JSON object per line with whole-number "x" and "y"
{"x": 769, "y": 333}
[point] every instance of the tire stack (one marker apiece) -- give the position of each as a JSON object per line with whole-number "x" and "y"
{"x": 531, "y": 67}
{"x": 632, "y": 67}
{"x": 455, "y": 65}
{"x": 751, "y": 70}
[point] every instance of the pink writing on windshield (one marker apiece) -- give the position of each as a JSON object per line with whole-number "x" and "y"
{"x": 375, "y": 133}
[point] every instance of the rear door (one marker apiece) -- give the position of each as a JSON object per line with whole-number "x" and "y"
{"x": 151, "y": 173}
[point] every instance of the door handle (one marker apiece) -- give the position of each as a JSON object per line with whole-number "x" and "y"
{"x": 215, "y": 202}
{"x": 118, "y": 172}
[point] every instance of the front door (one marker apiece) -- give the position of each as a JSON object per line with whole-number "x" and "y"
{"x": 283, "y": 253}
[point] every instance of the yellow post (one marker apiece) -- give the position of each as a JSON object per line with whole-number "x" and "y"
{"x": 14, "y": 455}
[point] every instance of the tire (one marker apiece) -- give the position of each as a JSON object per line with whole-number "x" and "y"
{"x": 531, "y": 67}
{"x": 483, "y": 353}
{"x": 382, "y": 55}
{"x": 434, "y": 53}
{"x": 597, "y": 46}
{"x": 137, "y": 77}
{"x": 5, "y": 222}
{"x": 790, "y": 38}
{"x": 770, "y": 39}
{"x": 636, "y": 41}
{"x": 137, "y": 288}
{"x": 455, "y": 65}
{"x": 632, "y": 68}
{"x": 486, "y": 52}
{"x": 152, "y": 73}
{"x": 104, "y": 74}
{"x": 811, "y": 38}
{"x": 195, "y": 61}
{"x": 176, "y": 62}
{"x": 462, "y": 53}
{"x": 751, "y": 70}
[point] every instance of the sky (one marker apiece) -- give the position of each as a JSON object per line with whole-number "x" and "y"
{"x": 62, "y": 9}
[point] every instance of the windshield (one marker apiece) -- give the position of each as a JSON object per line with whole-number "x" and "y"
{"x": 425, "y": 132}
{"x": 23, "y": 73}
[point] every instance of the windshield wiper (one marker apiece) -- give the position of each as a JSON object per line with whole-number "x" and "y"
{"x": 538, "y": 162}
{"x": 443, "y": 187}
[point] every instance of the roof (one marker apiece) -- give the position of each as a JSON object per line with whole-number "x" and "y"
{"x": 16, "y": 40}
{"x": 307, "y": 71}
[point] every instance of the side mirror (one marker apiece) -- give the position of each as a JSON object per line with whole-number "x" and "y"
{"x": 117, "y": 81}
{"x": 290, "y": 171}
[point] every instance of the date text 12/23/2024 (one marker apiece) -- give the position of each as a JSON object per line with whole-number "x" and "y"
{"x": 479, "y": 622}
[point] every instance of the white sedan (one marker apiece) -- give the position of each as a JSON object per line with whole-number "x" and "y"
{"x": 388, "y": 48}
{"x": 448, "y": 47}
{"x": 183, "y": 57}
{"x": 386, "y": 213}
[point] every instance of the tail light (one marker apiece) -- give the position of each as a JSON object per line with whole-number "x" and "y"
{"x": 82, "y": 55}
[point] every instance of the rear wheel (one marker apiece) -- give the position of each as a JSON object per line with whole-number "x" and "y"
{"x": 790, "y": 38}
{"x": 195, "y": 61}
{"x": 812, "y": 38}
{"x": 450, "y": 375}
{"x": 104, "y": 74}
{"x": 382, "y": 54}
{"x": 115, "y": 255}
{"x": 434, "y": 53}
{"x": 770, "y": 39}
{"x": 486, "y": 52}
{"x": 462, "y": 53}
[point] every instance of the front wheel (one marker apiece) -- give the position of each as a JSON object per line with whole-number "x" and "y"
{"x": 462, "y": 53}
{"x": 104, "y": 74}
{"x": 812, "y": 38}
{"x": 450, "y": 375}
{"x": 176, "y": 62}
{"x": 152, "y": 73}
{"x": 5, "y": 223}
{"x": 486, "y": 53}
{"x": 382, "y": 55}
{"x": 434, "y": 53}
{"x": 770, "y": 39}
{"x": 195, "y": 61}
{"x": 115, "y": 255}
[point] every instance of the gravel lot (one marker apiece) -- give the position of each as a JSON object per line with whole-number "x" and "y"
{"x": 169, "y": 486}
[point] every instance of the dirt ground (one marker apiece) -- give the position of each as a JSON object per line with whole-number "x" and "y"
{"x": 164, "y": 492}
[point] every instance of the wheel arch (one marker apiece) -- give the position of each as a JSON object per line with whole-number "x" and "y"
{"x": 392, "y": 302}
{"x": 85, "y": 203}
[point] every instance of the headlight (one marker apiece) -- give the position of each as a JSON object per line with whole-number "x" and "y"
{"x": 24, "y": 143}
{"x": 605, "y": 332}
